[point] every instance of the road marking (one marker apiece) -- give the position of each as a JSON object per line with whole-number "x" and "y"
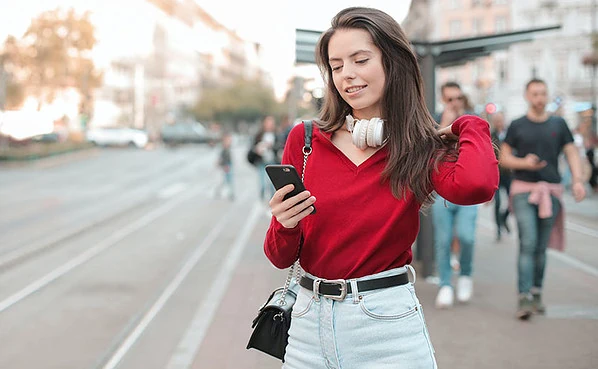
{"x": 168, "y": 292}
{"x": 92, "y": 252}
{"x": 172, "y": 190}
{"x": 571, "y": 261}
{"x": 188, "y": 346}
{"x": 581, "y": 229}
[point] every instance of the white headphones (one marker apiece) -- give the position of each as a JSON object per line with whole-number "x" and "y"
{"x": 366, "y": 132}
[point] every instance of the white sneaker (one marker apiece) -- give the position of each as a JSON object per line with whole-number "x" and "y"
{"x": 464, "y": 288}
{"x": 445, "y": 297}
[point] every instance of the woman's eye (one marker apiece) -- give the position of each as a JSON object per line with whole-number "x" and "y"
{"x": 362, "y": 61}
{"x": 336, "y": 68}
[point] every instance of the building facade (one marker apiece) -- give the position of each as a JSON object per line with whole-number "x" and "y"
{"x": 500, "y": 78}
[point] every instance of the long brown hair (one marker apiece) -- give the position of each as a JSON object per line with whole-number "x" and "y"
{"x": 412, "y": 139}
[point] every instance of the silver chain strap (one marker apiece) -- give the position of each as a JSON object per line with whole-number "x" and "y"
{"x": 295, "y": 267}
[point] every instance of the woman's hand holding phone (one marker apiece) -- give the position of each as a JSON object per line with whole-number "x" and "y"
{"x": 290, "y": 211}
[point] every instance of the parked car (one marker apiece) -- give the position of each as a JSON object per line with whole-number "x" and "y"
{"x": 187, "y": 132}
{"x": 118, "y": 137}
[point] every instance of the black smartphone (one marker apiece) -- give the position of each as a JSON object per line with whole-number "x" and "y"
{"x": 282, "y": 175}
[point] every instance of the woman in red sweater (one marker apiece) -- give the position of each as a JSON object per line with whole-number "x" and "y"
{"x": 377, "y": 159}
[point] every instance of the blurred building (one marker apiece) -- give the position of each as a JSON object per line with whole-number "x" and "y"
{"x": 161, "y": 57}
{"x": 156, "y": 56}
{"x": 555, "y": 57}
{"x": 500, "y": 78}
{"x": 485, "y": 78}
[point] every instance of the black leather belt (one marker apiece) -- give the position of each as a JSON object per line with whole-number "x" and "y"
{"x": 338, "y": 289}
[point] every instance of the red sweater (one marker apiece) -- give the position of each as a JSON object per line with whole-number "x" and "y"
{"x": 360, "y": 228}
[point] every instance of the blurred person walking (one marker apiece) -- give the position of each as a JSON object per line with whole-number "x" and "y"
{"x": 225, "y": 163}
{"x": 454, "y": 225}
{"x": 589, "y": 144}
{"x": 281, "y": 136}
{"x": 263, "y": 152}
{"x": 498, "y": 134}
{"x": 376, "y": 159}
{"x": 531, "y": 149}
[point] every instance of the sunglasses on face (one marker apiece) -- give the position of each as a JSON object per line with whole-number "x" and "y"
{"x": 451, "y": 99}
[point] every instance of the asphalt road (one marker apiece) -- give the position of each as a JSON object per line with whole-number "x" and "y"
{"x": 123, "y": 258}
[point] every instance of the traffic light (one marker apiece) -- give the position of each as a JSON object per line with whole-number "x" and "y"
{"x": 491, "y": 108}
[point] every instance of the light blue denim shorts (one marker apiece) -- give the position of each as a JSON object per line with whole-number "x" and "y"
{"x": 378, "y": 329}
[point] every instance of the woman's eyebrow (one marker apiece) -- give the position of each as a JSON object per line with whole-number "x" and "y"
{"x": 352, "y": 55}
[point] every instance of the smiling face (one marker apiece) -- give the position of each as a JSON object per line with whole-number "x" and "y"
{"x": 357, "y": 71}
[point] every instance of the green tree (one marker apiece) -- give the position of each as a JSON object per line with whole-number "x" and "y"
{"x": 242, "y": 101}
{"x": 56, "y": 50}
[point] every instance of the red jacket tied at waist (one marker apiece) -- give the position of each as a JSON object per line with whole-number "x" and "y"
{"x": 540, "y": 194}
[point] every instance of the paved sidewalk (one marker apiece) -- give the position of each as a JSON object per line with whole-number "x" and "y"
{"x": 481, "y": 334}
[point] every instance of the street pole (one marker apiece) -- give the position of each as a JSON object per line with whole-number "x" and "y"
{"x": 2, "y": 87}
{"x": 425, "y": 237}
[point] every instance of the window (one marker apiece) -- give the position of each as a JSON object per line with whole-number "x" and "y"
{"x": 500, "y": 2}
{"x": 476, "y": 26}
{"x": 501, "y": 24}
{"x": 562, "y": 67}
{"x": 475, "y": 3}
{"x": 455, "y": 28}
{"x": 455, "y": 4}
{"x": 503, "y": 75}
{"x": 477, "y": 70}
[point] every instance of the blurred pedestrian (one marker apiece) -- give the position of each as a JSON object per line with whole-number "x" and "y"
{"x": 499, "y": 132}
{"x": 376, "y": 158}
{"x": 531, "y": 149}
{"x": 264, "y": 149}
{"x": 225, "y": 163}
{"x": 281, "y": 137}
{"x": 589, "y": 141}
{"x": 454, "y": 225}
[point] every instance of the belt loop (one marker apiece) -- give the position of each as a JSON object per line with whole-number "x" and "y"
{"x": 410, "y": 268}
{"x": 354, "y": 290}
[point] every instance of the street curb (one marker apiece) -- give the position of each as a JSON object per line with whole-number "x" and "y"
{"x": 52, "y": 161}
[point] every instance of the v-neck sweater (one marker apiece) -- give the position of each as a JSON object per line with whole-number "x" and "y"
{"x": 359, "y": 227}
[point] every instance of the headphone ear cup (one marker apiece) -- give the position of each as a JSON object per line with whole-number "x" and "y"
{"x": 363, "y": 134}
{"x": 355, "y": 133}
{"x": 371, "y": 142}
{"x": 379, "y": 133}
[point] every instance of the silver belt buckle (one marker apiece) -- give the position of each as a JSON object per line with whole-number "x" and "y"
{"x": 343, "y": 285}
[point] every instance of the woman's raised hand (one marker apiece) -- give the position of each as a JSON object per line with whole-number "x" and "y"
{"x": 447, "y": 134}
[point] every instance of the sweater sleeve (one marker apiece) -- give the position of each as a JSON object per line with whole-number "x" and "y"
{"x": 282, "y": 244}
{"x": 473, "y": 178}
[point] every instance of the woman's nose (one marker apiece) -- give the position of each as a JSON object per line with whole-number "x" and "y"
{"x": 348, "y": 72}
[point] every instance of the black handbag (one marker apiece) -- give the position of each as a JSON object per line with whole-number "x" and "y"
{"x": 253, "y": 157}
{"x": 271, "y": 326}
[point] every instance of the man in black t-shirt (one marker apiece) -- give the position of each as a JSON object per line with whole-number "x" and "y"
{"x": 531, "y": 149}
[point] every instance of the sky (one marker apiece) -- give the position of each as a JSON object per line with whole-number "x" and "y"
{"x": 271, "y": 23}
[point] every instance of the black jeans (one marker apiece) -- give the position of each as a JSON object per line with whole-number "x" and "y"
{"x": 594, "y": 176}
